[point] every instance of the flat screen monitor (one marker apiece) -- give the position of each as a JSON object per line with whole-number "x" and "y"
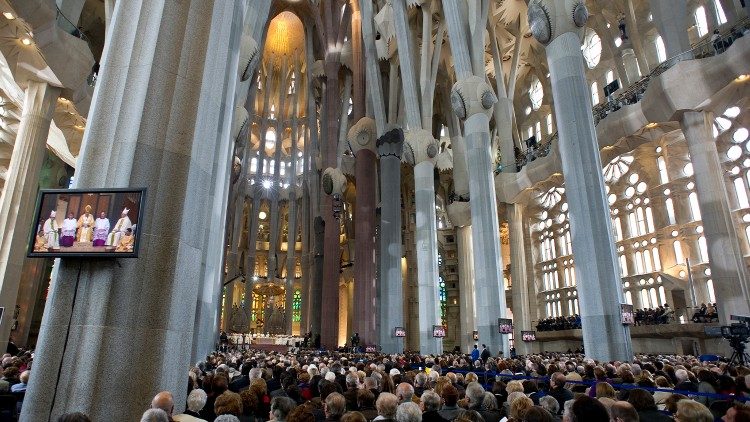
{"x": 505, "y": 325}
{"x": 611, "y": 87}
{"x": 528, "y": 335}
{"x": 371, "y": 349}
{"x": 475, "y": 335}
{"x": 626, "y": 314}
{"x": 399, "y": 332}
{"x": 438, "y": 331}
{"x": 87, "y": 223}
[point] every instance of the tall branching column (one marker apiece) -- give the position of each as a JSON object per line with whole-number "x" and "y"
{"x": 599, "y": 285}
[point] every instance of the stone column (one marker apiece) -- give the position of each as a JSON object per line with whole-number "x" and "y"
{"x": 362, "y": 143}
{"x": 159, "y": 119}
{"x": 333, "y": 183}
{"x": 390, "y": 288}
{"x": 466, "y": 287}
{"x": 291, "y": 242}
{"x": 473, "y": 100}
{"x": 423, "y": 150}
{"x": 228, "y": 293}
{"x": 597, "y": 273}
{"x": 19, "y": 194}
{"x": 727, "y": 264}
{"x": 519, "y": 277}
{"x": 630, "y": 62}
{"x": 670, "y": 18}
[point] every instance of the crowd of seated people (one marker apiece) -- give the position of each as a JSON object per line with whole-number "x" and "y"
{"x": 648, "y": 316}
{"x": 559, "y": 323}
{"x": 313, "y": 386}
{"x": 308, "y": 386}
{"x": 706, "y": 313}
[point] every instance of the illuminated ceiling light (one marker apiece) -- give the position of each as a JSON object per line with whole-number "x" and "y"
{"x": 266, "y": 184}
{"x": 63, "y": 100}
{"x": 651, "y": 125}
{"x": 79, "y": 127}
{"x": 742, "y": 78}
{"x": 26, "y": 41}
{"x": 262, "y": 215}
{"x": 8, "y": 15}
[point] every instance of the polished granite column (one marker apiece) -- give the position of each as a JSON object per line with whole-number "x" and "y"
{"x": 390, "y": 286}
{"x": 597, "y": 270}
{"x": 159, "y": 119}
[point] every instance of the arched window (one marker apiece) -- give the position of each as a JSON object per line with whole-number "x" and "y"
{"x": 695, "y": 210}
{"x": 662, "y": 295}
{"x": 710, "y": 289}
{"x": 678, "y": 256}
{"x": 623, "y": 266}
{"x": 703, "y": 249}
{"x": 618, "y": 229}
{"x": 741, "y": 192}
{"x": 654, "y": 298}
{"x": 629, "y": 297}
{"x": 657, "y": 260}
{"x": 536, "y": 93}
{"x": 549, "y": 124}
{"x": 663, "y": 175}
{"x": 254, "y": 164}
{"x": 297, "y": 306}
{"x": 644, "y": 298}
{"x": 701, "y": 23}
{"x": 270, "y": 137}
{"x": 661, "y": 50}
{"x": 638, "y": 262}
{"x": 670, "y": 211}
{"x": 592, "y": 48}
{"x": 594, "y": 93}
{"x": 721, "y": 17}
{"x": 649, "y": 220}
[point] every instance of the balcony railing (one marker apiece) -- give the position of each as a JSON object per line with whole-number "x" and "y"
{"x": 634, "y": 93}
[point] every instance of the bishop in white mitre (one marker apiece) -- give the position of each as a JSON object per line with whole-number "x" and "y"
{"x": 122, "y": 226}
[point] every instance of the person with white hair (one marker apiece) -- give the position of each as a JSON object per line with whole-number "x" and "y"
{"x": 386, "y": 405}
{"x": 408, "y": 412}
{"x": 549, "y": 404}
{"x": 405, "y": 392}
{"x": 195, "y": 402}
{"x": 227, "y": 418}
{"x": 154, "y": 415}
{"x": 430, "y": 404}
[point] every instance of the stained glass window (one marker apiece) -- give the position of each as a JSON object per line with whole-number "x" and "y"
{"x": 297, "y": 306}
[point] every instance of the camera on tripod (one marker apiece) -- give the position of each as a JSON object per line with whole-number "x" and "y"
{"x": 738, "y": 333}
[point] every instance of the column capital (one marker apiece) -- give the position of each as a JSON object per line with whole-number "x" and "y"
{"x": 391, "y": 143}
{"x": 471, "y": 96}
{"x": 549, "y": 19}
{"x": 334, "y": 181}
{"x": 362, "y": 135}
{"x": 420, "y": 147}
{"x": 239, "y": 123}
{"x": 459, "y": 212}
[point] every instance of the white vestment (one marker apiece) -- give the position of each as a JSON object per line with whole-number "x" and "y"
{"x": 50, "y": 233}
{"x": 69, "y": 227}
{"x": 123, "y": 224}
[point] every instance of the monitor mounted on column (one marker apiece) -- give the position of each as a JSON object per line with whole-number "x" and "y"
{"x": 528, "y": 335}
{"x": 626, "y": 314}
{"x": 87, "y": 223}
{"x": 438, "y": 331}
{"x": 505, "y": 325}
{"x": 399, "y": 332}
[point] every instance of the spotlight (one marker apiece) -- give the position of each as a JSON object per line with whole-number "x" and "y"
{"x": 26, "y": 41}
{"x": 266, "y": 184}
{"x": 8, "y": 15}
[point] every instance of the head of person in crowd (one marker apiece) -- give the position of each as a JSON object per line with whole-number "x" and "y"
{"x": 622, "y": 411}
{"x": 405, "y": 392}
{"x": 586, "y": 409}
{"x": 228, "y": 403}
{"x": 335, "y": 405}
{"x": 692, "y": 411}
{"x": 408, "y": 412}
{"x": 386, "y": 405}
